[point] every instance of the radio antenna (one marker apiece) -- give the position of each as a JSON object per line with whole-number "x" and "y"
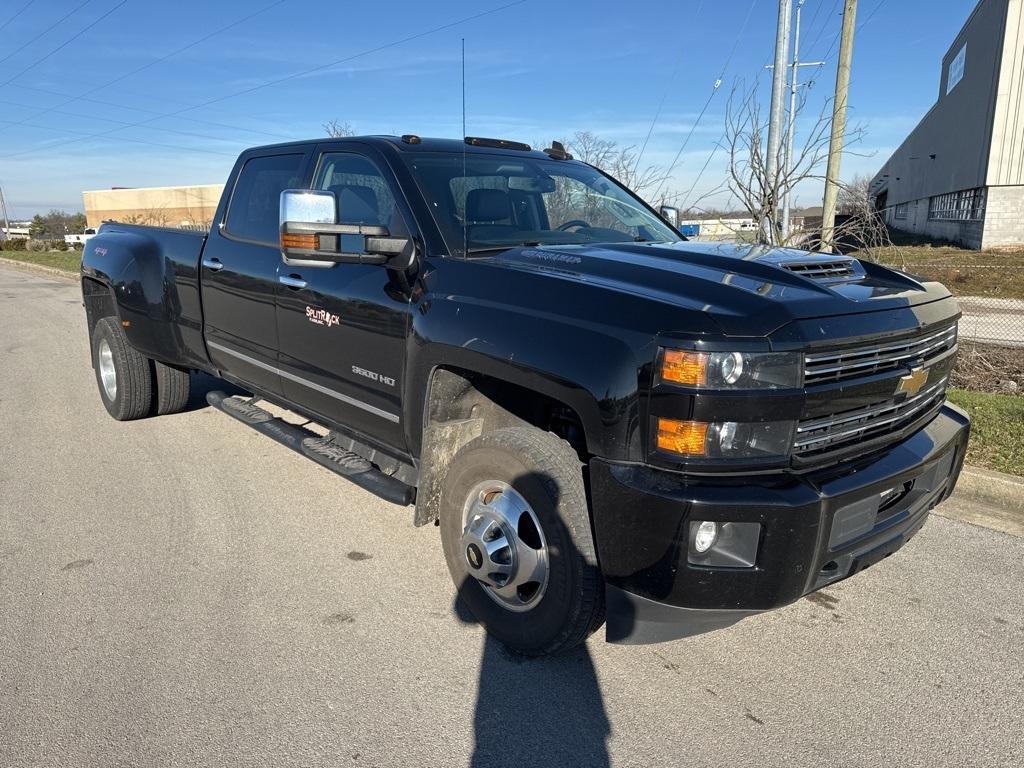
{"x": 465, "y": 180}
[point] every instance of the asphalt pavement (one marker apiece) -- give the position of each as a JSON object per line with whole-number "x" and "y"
{"x": 183, "y": 591}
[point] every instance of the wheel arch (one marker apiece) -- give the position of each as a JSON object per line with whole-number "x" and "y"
{"x": 461, "y": 404}
{"x": 99, "y": 301}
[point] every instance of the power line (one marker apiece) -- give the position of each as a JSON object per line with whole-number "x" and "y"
{"x": 810, "y": 82}
{"x": 707, "y": 103}
{"x": 118, "y": 105}
{"x": 81, "y": 116}
{"x": 55, "y": 24}
{"x": 16, "y": 15}
{"x": 152, "y": 63}
{"x": 284, "y": 79}
{"x": 347, "y": 59}
{"x": 824, "y": 24}
{"x": 67, "y": 42}
{"x": 717, "y": 144}
{"x": 835, "y": 39}
{"x": 814, "y": 16}
{"x": 125, "y": 138}
{"x": 664, "y": 96}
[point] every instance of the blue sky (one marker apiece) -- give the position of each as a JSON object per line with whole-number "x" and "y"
{"x": 537, "y": 70}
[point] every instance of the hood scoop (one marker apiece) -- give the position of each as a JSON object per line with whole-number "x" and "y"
{"x": 832, "y": 268}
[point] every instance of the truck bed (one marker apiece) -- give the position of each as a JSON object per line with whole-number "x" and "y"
{"x": 154, "y": 272}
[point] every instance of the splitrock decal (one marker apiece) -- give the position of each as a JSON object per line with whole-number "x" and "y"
{"x": 322, "y": 317}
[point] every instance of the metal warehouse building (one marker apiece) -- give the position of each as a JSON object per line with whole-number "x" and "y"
{"x": 960, "y": 173}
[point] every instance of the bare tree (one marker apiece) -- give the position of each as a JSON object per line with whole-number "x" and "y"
{"x": 337, "y": 130}
{"x": 748, "y": 181}
{"x": 855, "y": 197}
{"x": 619, "y": 162}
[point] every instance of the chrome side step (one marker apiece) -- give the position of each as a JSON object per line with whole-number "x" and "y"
{"x": 323, "y": 450}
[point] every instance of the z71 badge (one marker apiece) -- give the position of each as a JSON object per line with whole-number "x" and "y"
{"x": 322, "y": 317}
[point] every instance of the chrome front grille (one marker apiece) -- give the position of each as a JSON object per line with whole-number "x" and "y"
{"x": 819, "y": 270}
{"x": 825, "y": 367}
{"x": 819, "y": 435}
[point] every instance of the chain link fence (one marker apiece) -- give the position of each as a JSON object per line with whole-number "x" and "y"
{"x": 991, "y": 298}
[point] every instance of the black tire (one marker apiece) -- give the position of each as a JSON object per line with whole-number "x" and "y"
{"x": 547, "y": 473}
{"x": 172, "y": 388}
{"x": 134, "y": 383}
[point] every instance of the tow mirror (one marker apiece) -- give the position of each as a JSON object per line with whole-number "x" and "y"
{"x": 670, "y": 214}
{"x": 311, "y": 236}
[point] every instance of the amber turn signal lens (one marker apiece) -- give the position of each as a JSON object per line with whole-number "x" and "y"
{"x": 683, "y": 367}
{"x": 685, "y": 437}
{"x": 309, "y": 242}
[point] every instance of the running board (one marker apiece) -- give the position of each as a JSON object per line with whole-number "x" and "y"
{"x": 320, "y": 449}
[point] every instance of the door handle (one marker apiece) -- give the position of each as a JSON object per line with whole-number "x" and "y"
{"x": 292, "y": 281}
{"x": 213, "y": 264}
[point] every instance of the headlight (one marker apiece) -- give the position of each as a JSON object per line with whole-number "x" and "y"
{"x": 725, "y": 439}
{"x": 731, "y": 370}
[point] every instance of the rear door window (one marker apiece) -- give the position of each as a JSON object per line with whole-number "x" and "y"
{"x": 254, "y": 210}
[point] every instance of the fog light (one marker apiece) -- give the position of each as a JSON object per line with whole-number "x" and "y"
{"x": 707, "y": 532}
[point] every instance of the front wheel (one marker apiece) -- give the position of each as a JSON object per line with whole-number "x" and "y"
{"x": 516, "y": 536}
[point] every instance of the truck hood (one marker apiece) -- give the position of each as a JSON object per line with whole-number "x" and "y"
{"x": 746, "y": 290}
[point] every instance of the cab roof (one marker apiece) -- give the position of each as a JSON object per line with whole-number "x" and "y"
{"x": 414, "y": 144}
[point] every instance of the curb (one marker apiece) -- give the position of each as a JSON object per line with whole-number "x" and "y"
{"x": 990, "y": 487}
{"x": 41, "y": 268}
{"x": 991, "y": 499}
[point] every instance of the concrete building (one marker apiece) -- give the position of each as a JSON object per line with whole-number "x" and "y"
{"x": 960, "y": 174}
{"x": 159, "y": 206}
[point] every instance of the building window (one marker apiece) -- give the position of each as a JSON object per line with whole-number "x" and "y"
{"x": 900, "y": 211}
{"x": 965, "y": 205}
{"x": 955, "y": 73}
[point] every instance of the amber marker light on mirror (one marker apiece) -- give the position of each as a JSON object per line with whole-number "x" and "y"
{"x": 306, "y": 241}
{"x": 682, "y": 367}
{"x": 683, "y": 437}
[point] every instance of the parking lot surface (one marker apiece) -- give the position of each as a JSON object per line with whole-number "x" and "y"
{"x": 183, "y": 591}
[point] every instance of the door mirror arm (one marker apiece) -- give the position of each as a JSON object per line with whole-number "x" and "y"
{"x": 316, "y": 240}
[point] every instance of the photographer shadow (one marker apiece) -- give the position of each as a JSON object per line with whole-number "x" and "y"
{"x": 535, "y": 713}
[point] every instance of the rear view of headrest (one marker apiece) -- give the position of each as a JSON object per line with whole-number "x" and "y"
{"x": 357, "y": 204}
{"x": 487, "y": 205}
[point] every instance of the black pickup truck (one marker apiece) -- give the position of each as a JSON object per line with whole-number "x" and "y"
{"x": 603, "y": 419}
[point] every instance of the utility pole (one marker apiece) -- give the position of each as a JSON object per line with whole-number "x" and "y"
{"x": 770, "y": 204}
{"x": 794, "y": 85}
{"x": 7, "y": 222}
{"x": 835, "y": 146}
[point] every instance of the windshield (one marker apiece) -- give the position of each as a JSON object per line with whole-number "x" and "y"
{"x": 485, "y": 202}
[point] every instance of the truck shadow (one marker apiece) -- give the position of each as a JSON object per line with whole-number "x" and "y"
{"x": 536, "y": 712}
{"x": 202, "y": 383}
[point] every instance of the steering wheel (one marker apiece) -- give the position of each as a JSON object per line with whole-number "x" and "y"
{"x": 573, "y": 223}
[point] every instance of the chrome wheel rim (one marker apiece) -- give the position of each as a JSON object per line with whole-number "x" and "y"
{"x": 108, "y": 374}
{"x": 503, "y": 546}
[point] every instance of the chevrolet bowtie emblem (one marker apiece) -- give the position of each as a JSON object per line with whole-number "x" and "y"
{"x": 911, "y": 383}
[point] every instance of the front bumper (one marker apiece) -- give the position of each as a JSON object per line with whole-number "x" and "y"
{"x": 816, "y": 529}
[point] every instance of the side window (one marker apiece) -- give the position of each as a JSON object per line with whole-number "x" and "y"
{"x": 254, "y": 211}
{"x": 360, "y": 189}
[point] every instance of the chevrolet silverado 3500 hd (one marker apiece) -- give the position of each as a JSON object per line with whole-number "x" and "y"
{"x": 606, "y": 421}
